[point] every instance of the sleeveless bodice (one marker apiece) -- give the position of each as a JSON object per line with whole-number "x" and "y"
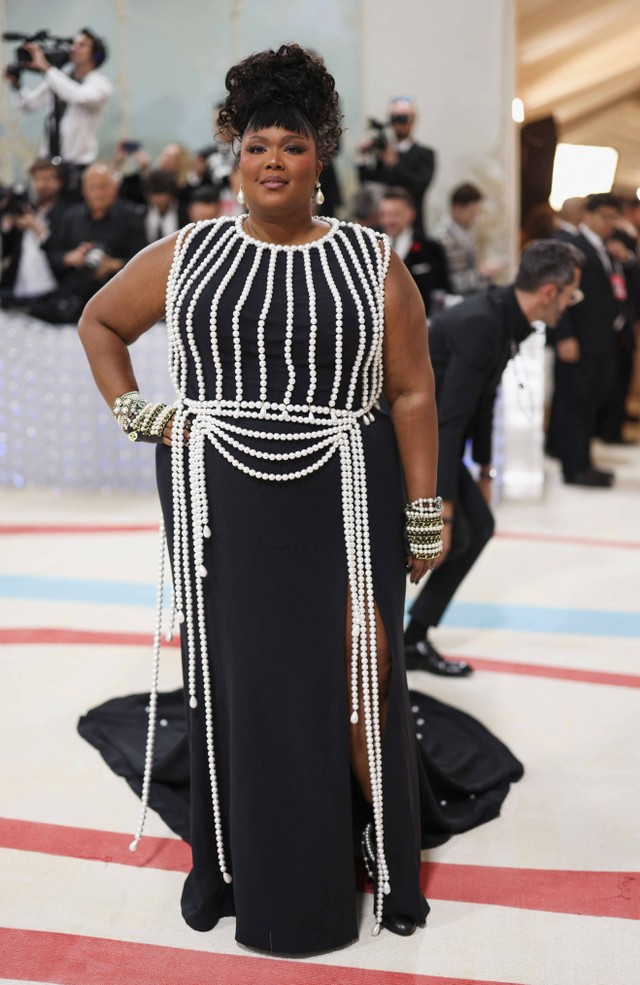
{"x": 299, "y": 326}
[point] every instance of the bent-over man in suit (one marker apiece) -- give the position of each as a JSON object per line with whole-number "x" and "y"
{"x": 470, "y": 346}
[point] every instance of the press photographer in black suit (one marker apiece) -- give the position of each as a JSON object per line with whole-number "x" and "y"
{"x": 470, "y": 346}
{"x": 400, "y": 161}
{"x": 424, "y": 258}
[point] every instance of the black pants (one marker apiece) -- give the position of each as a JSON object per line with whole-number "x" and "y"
{"x": 612, "y": 413}
{"x": 581, "y": 389}
{"x": 472, "y": 529}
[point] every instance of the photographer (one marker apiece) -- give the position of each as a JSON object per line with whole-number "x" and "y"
{"x": 94, "y": 242}
{"x": 74, "y": 100}
{"x": 25, "y": 225}
{"x": 399, "y": 161}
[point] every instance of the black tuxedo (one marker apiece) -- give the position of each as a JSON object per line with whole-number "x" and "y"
{"x": 582, "y": 388}
{"x": 470, "y": 345}
{"x": 427, "y": 263}
{"x": 413, "y": 171}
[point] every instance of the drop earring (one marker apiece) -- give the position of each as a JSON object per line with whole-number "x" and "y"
{"x": 240, "y": 197}
{"x": 318, "y": 196}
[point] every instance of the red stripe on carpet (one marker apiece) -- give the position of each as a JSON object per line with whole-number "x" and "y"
{"x": 170, "y": 854}
{"x": 593, "y": 894}
{"x": 69, "y": 959}
{"x": 77, "y": 528}
{"x": 597, "y": 894}
{"x": 558, "y": 673}
{"x": 630, "y": 545}
{"x": 26, "y": 635}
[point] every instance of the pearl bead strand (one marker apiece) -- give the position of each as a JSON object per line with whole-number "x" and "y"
{"x": 153, "y": 698}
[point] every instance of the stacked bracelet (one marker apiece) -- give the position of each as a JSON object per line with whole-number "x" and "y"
{"x": 424, "y": 528}
{"x": 140, "y": 419}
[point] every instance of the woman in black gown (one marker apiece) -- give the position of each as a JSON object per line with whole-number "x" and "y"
{"x": 283, "y": 508}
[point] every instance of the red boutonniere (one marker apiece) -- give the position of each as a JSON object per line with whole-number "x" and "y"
{"x": 415, "y": 247}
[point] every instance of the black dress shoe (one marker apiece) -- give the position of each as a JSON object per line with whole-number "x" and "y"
{"x": 403, "y": 926}
{"x": 423, "y": 656}
{"x": 395, "y": 922}
{"x": 590, "y": 477}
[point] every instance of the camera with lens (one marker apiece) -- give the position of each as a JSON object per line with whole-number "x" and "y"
{"x": 14, "y": 200}
{"x": 94, "y": 257}
{"x": 379, "y": 140}
{"x": 56, "y": 50}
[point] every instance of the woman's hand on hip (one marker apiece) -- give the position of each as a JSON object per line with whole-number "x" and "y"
{"x": 167, "y": 434}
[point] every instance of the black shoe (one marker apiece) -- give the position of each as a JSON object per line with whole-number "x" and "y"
{"x": 423, "y": 656}
{"x": 590, "y": 477}
{"x": 396, "y": 923}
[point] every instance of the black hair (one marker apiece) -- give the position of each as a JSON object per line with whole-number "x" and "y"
{"x": 159, "y": 182}
{"x": 289, "y": 88}
{"x": 396, "y": 192}
{"x": 465, "y": 194}
{"x": 99, "y": 51}
{"x": 548, "y": 261}
{"x": 602, "y": 200}
{"x": 207, "y": 194}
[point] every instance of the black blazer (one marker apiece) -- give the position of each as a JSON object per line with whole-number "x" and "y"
{"x": 591, "y": 321}
{"x": 470, "y": 345}
{"x": 427, "y": 262}
{"x": 121, "y": 233}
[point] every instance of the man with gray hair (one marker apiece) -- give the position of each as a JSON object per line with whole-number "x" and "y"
{"x": 470, "y": 346}
{"x": 93, "y": 242}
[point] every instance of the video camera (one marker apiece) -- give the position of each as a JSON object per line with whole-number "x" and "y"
{"x": 56, "y": 50}
{"x": 379, "y": 139}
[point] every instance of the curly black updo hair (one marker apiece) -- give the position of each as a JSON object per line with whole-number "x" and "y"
{"x": 289, "y": 88}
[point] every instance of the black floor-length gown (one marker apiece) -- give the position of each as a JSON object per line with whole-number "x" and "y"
{"x": 274, "y": 600}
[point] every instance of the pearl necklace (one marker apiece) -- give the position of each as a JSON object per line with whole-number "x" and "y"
{"x": 322, "y": 431}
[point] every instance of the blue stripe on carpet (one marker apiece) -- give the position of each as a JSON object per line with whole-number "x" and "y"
{"x": 463, "y": 615}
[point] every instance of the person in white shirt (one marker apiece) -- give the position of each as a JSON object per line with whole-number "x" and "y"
{"x": 165, "y": 212}
{"x": 25, "y": 270}
{"x": 73, "y": 100}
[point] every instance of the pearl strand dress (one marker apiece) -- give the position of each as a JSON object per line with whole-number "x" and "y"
{"x": 287, "y": 501}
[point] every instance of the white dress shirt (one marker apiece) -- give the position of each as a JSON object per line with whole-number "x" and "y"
{"x": 80, "y": 121}
{"x": 34, "y": 275}
{"x": 402, "y": 242}
{"x": 159, "y": 224}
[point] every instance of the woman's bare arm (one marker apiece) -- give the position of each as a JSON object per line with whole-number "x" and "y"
{"x": 409, "y": 387}
{"x": 123, "y": 310}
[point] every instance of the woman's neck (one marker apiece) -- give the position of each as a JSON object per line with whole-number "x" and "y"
{"x": 285, "y": 230}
